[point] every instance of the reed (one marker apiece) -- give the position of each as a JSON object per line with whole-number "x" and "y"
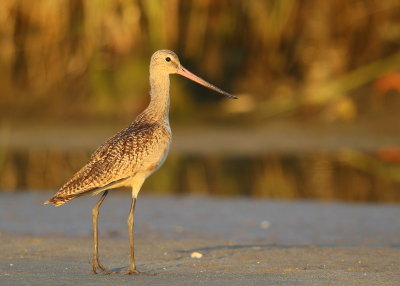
{"x": 90, "y": 53}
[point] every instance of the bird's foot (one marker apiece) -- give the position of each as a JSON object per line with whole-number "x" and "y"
{"x": 96, "y": 265}
{"x": 135, "y": 272}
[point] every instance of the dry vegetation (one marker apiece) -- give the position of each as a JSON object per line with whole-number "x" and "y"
{"x": 89, "y": 58}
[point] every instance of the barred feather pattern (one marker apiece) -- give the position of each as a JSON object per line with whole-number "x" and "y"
{"x": 138, "y": 149}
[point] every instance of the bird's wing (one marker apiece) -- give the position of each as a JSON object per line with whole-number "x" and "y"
{"x": 118, "y": 158}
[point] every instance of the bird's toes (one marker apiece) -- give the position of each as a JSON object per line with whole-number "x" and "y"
{"x": 96, "y": 265}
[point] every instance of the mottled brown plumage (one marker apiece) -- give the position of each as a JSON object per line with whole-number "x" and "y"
{"x": 135, "y": 151}
{"x": 133, "y": 154}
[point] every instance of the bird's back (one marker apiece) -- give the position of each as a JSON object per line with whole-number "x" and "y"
{"x": 138, "y": 149}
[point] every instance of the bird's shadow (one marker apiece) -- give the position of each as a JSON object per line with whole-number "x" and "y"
{"x": 258, "y": 246}
{"x": 253, "y": 245}
{"x": 237, "y": 246}
{"x": 118, "y": 270}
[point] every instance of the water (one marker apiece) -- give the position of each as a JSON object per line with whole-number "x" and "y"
{"x": 346, "y": 176}
{"x": 283, "y": 161}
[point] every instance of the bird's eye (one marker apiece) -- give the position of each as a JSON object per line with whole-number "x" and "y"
{"x": 168, "y": 59}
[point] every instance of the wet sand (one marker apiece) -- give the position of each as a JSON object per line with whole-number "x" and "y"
{"x": 243, "y": 242}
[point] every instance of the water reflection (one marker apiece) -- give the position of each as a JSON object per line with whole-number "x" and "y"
{"x": 345, "y": 175}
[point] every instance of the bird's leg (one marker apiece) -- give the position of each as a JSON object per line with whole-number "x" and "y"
{"x": 95, "y": 214}
{"x": 131, "y": 223}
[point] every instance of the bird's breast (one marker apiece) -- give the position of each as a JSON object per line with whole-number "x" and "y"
{"x": 155, "y": 151}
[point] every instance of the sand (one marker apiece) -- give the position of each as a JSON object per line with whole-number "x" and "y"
{"x": 242, "y": 242}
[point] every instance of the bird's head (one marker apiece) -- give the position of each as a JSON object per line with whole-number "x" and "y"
{"x": 165, "y": 61}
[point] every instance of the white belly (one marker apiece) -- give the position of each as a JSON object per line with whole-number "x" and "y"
{"x": 159, "y": 163}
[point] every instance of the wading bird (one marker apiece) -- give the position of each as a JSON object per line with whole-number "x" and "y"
{"x": 130, "y": 156}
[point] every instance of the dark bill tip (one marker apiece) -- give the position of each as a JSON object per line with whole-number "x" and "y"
{"x": 184, "y": 72}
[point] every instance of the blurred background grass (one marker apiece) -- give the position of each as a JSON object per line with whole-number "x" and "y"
{"x": 75, "y": 64}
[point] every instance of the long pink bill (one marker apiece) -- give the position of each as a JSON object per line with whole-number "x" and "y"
{"x": 184, "y": 72}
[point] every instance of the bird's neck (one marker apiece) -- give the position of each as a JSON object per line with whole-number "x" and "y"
{"x": 158, "y": 108}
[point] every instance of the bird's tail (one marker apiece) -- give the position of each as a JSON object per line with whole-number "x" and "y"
{"x": 59, "y": 200}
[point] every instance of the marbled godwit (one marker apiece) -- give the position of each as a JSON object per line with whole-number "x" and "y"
{"x": 133, "y": 154}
